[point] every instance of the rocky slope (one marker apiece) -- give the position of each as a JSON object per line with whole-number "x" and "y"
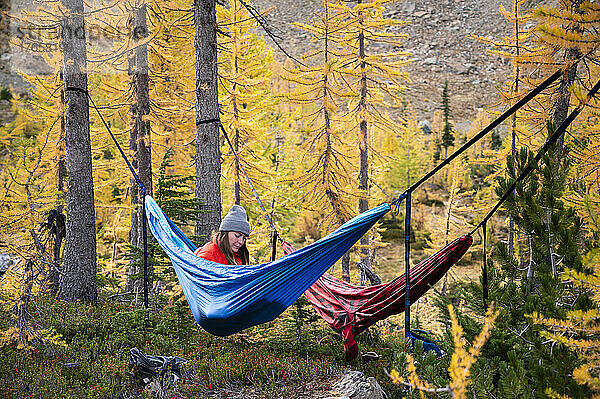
{"x": 438, "y": 41}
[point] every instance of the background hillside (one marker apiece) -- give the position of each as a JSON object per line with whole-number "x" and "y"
{"x": 439, "y": 43}
{"x": 438, "y": 40}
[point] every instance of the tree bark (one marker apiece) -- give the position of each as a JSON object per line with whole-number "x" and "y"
{"x": 363, "y": 173}
{"x": 563, "y": 99}
{"x": 56, "y": 217}
{"x": 513, "y": 135}
{"x": 78, "y": 281}
{"x": 140, "y": 145}
{"x": 208, "y": 154}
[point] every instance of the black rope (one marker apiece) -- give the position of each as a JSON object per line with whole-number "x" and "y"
{"x": 137, "y": 179}
{"x": 551, "y": 140}
{"x": 77, "y": 89}
{"x": 207, "y": 121}
{"x": 489, "y": 128}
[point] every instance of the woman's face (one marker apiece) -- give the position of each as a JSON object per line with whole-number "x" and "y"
{"x": 236, "y": 240}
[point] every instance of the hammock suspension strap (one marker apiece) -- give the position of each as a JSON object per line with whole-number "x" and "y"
{"x": 407, "y": 226}
{"x": 138, "y": 181}
{"x": 551, "y": 140}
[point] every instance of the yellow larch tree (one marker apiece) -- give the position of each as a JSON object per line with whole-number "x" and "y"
{"x": 173, "y": 83}
{"x": 111, "y": 46}
{"x": 571, "y": 27}
{"x": 248, "y": 108}
{"x": 119, "y": 88}
{"x": 557, "y": 35}
{"x": 30, "y": 204}
{"x": 170, "y": 91}
{"x": 373, "y": 87}
{"x": 33, "y": 171}
{"x": 327, "y": 179}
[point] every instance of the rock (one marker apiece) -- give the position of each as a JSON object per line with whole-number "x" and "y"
{"x": 6, "y": 261}
{"x": 425, "y": 126}
{"x": 408, "y": 7}
{"x": 467, "y": 69}
{"x": 430, "y": 61}
{"x": 354, "y": 385}
{"x": 420, "y": 14}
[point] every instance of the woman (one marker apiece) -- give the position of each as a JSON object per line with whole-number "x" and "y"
{"x": 228, "y": 245}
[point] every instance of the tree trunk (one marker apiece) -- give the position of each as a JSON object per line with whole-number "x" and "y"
{"x": 78, "y": 281}
{"x": 562, "y": 101}
{"x": 363, "y": 173}
{"x": 140, "y": 145}
{"x": 513, "y": 135}
{"x": 208, "y": 155}
{"x": 57, "y": 217}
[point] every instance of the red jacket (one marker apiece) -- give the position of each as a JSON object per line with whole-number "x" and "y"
{"x": 210, "y": 251}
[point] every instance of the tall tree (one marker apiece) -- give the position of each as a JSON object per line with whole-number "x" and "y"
{"x": 570, "y": 54}
{"x": 78, "y": 280}
{"x": 327, "y": 177}
{"x": 513, "y": 48}
{"x": 208, "y": 163}
{"x": 247, "y": 102}
{"x": 447, "y": 134}
{"x": 139, "y": 139}
{"x": 374, "y": 85}
{"x": 547, "y": 37}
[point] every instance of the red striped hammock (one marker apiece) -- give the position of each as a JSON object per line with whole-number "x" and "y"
{"x": 351, "y": 309}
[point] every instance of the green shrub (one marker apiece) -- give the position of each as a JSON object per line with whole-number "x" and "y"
{"x": 5, "y": 94}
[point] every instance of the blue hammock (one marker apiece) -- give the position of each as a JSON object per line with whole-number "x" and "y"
{"x": 226, "y": 299}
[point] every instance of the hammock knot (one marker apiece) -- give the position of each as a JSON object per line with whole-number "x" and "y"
{"x": 395, "y": 204}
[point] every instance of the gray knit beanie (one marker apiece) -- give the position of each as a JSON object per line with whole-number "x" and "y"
{"x": 236, "y": 220}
